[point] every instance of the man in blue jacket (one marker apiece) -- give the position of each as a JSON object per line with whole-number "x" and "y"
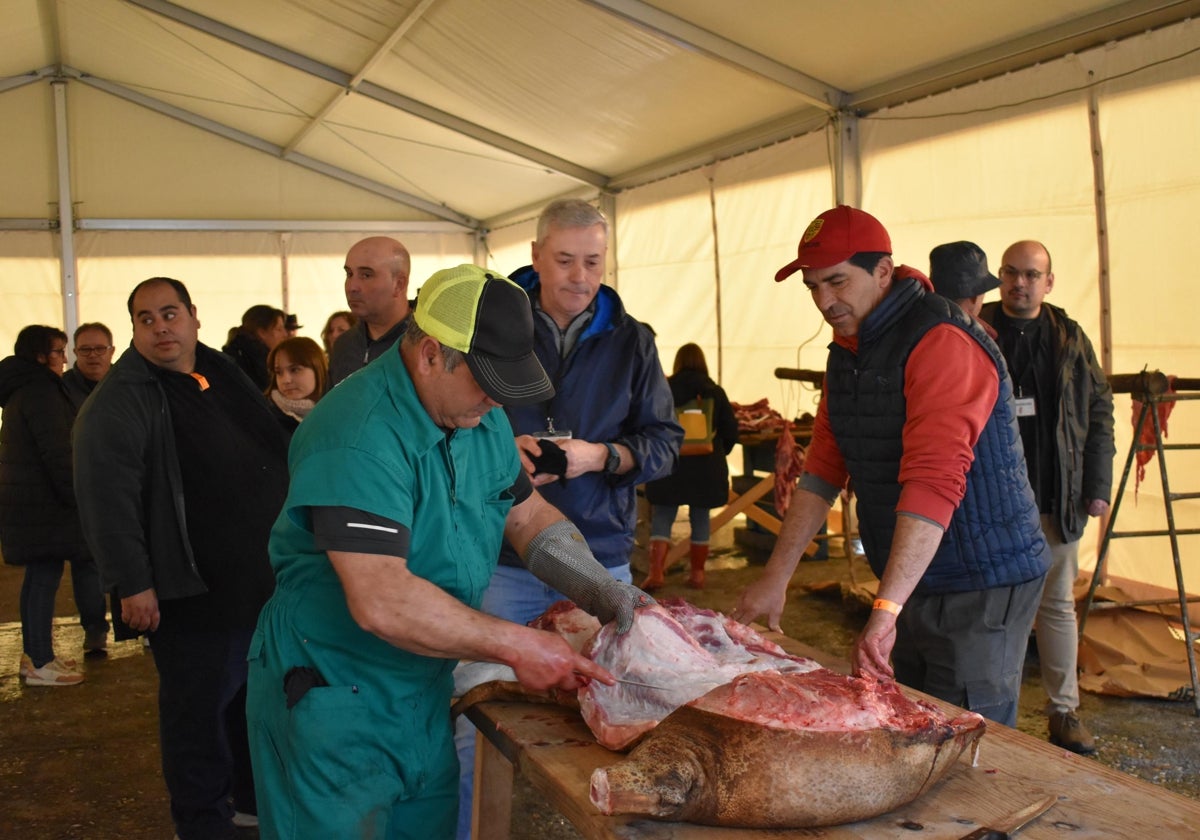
{"x": 612, "y": 416}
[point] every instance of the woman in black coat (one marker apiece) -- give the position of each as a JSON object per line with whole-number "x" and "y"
{"x": 262, "y": 328}
{"x": 700, "y": 481}
{"x": 39, "y": 523}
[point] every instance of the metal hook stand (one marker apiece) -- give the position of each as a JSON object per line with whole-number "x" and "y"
{"x": 1151, "y": 389}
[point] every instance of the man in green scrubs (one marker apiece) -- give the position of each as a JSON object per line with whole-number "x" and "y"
{"x": 403, "y": 482}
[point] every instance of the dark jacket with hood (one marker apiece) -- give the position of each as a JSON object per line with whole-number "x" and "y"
{"x": 1083, "y": 426}
{"x": 38, "y": 519}
{"x": 128, "y": 480}
{"x": 250, "y": 352}
{"x": 700, "y": 480}
{"x": 995, "y": 535}
{"x": 609, "y": 388}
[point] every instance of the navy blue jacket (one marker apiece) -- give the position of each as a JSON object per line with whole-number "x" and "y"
{"x": 610, "y": 388}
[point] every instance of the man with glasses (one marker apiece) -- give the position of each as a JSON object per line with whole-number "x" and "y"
{"x": 93, "y": 358}
{"x": 1065, "y": 412}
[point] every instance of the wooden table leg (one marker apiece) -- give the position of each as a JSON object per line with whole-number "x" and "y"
{"x": 492, "y": 811}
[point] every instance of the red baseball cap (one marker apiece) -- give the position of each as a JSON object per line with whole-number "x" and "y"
{"x": 835, "y": 236}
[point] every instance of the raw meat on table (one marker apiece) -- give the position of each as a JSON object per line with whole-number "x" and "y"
{"x": 683, "y": 650}
{"x": 773, "y": 750}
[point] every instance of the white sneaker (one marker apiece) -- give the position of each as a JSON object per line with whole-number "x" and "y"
{"x": 26, "y": 667}
{"x": 54, "y": 672}
{"x": 245, "y": 820}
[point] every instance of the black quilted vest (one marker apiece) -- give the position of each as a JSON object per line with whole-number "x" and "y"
{"x": 995, "y": 536}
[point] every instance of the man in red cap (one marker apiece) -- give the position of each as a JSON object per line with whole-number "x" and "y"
{"x": 918, "y": 412}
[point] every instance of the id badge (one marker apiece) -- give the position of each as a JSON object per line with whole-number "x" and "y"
{"x": 1026, "y": 406}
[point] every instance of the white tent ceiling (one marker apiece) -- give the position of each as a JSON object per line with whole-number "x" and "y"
{"x": 466, "y": 111}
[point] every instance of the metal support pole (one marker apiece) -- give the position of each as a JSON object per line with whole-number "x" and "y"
{"x": 1189, "y": 637}
{"x": 66, "y": 212}
{"x": 716, "y": 234}
{"x": 608, "y": 206}
{"x": 847, "y": 160}
{"x": 285, "y": 291}
{"x": 1100, "y": 198}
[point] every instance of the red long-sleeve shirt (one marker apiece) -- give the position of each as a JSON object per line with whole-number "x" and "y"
{"x": 950, "y": 387}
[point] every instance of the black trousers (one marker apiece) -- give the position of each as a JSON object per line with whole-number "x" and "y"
{"x": 202, "y": 728}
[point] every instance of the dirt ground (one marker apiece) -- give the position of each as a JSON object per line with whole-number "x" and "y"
{"x": 82, "y": 762}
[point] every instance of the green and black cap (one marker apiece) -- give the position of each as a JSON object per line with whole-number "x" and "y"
{"x": 486, "y": 316}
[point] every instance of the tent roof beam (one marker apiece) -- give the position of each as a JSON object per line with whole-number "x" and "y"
{"x": 814, "y": 91}
{"x": 265, "y": 146}
{"x": 1119, "y": 21}
{"x": 377, "y": 56}
{"x": 381, "y": 94}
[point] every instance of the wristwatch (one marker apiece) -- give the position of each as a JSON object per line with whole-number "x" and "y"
{"x": 613, "y": 462}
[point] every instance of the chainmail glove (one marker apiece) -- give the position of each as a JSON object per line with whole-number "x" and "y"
{"x": 560, "y": 557}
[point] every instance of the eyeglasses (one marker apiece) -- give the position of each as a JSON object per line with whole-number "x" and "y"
{"x": 92, "y": 351}
{"x": 57, "y": 351}
{"x": 1010, "y": 273}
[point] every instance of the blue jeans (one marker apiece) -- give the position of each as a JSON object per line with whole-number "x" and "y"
{"x": 515, "y": 595}
{"x": 662, "y": 517}
{"x": 38, "y": 591}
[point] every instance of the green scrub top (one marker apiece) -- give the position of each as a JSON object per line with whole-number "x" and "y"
{"x": 370, "y": 445}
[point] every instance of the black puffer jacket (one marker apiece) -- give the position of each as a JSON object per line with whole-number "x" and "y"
{"x": 250, "y": 353}
{"x": 700, "y": 480}
{"x": 38, "y": 519}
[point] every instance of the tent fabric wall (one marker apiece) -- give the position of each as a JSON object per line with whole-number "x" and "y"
{"x": 764, "y": 202}
{"x": 30, "y": 285}
{"x": 665, "y": 256}
{"x": 508, "y": 247}
{"x": 1150, "y": 122}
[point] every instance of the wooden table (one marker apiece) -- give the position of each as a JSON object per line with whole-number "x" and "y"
{"x": 556, "y": 752}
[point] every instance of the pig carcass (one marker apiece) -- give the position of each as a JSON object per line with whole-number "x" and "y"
{"x": 680, "y": 649}
{"x": 786, "y": 750}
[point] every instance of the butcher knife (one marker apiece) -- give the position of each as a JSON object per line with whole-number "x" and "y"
{"x": 1009, "y": 827}
{"x": 633, "y": 682}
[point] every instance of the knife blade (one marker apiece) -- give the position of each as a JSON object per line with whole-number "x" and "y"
{"x": 1007, "y": 828}
{"x": 633, "y": 682}
{"x": 641, "y": 684}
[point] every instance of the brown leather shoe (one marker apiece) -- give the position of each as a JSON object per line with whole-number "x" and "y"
{"x": 1068, "y": 732}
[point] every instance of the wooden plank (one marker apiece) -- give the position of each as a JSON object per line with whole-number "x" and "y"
{"x": 745, "y": 503}
{"x": 491, "y": 812}
{"x": 553, "y": 748}
{"x": 737, "y": 504}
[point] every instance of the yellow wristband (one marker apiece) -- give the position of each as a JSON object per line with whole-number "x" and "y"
{"x": 887, "y": 606}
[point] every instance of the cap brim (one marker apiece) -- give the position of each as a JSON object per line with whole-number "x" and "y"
{"x": 788, "y": 270}
{"x": 986, "y": 284}
{"x": 511, "y": 381}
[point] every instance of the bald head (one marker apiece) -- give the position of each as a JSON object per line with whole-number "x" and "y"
{"x": 1025, "y": 278}
{"x": 377, "y": 282}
